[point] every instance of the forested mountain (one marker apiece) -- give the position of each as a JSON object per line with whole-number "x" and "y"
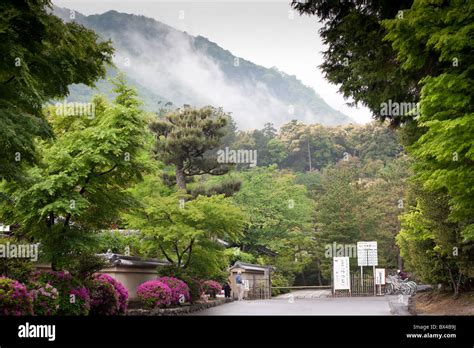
{"x": 312, "y": 187}
{"x": 168, "y": 65}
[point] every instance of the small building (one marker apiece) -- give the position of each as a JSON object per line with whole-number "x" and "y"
{"x": 132, "y": 271}
{"x": 256, "y": 278}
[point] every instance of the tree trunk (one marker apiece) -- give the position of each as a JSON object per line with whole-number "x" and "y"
{"x": 320, "y": 281}
{"x": 180, "y": 178}
{"x": 303, "y": 278}
{"x": 54, "y": 259}
{"x": 400, "y": 260}
{"x": 454, "y": 284}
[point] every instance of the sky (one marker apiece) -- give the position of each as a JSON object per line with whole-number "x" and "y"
{"x": 265, "y": 32}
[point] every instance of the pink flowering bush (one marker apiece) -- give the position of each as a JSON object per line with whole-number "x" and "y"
{"x": 45, "y": 298}
{"x": 179, "y": 289}
{"x": 74, "y": 298}
{"x": 14, "y": 298}
{"x": 104, "y": 297}
{"x": 211, "y": 288}
{"x": 119, "y": 288}
{"x": 194, "y": 285}
{"x": 154, "y": 293}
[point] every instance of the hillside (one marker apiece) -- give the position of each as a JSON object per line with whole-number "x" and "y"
{"x": 165, "y": 64}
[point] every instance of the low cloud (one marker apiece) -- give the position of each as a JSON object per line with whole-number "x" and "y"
{"x": 172, "y": 68}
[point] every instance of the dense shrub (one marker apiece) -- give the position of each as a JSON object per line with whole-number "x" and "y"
{"x": 104, "y": 297}
{"x": 74, "y": 298}
{"x": 154, "y": 293}
{"x": 14, "y": 298}
{"x": 211, "y": 288}
{"x": 82, "y": 265}
{"x": 195, "y": 287}
{"x": 118, "y": 242}
{"x": 121, "y": 290}
{"x": 277, "y": 281}
{"x": 18, "y": 269}
{"x": 45, "y": 298}
{"x": 178, "y": 288}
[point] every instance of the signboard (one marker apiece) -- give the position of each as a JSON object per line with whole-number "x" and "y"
{"x": 367, "y": 254}
{"x": 4, "y": 228}
{"x": 379, "y": 276}
{"x": 342, "y": 280}
{"x": 247, "y": 285}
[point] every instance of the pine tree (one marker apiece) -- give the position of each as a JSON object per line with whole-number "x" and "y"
{"x": 186, "y": 138}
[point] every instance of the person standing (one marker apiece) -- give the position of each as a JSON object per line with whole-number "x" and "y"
{"x": 240, "y": 285}
{"x": 227, "y": 289}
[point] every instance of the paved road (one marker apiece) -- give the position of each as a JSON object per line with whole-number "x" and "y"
{"x": 310, "y": 293}
{"x": 304, "y": 306}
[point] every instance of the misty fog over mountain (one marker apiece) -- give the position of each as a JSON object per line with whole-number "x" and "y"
{"x": 167, "y": 65}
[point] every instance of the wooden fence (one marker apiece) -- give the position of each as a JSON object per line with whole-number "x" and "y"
{"x": 259, "y": 289}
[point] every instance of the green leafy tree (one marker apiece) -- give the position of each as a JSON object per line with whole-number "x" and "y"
{"x": 442, "y": 32}
{"x": 79, "y": 185}
{"x": 183, "y": 228}
{"x": 41, "y": 57}
{"x": 279, "y": 219}
{"x": 357, "y": 58}
{"x": 309, "y": 146}
{"x": 339, "y": 211}
{"x": 433, "y": 246}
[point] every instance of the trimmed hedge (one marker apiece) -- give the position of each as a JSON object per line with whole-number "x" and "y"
{"x": 154, "y": 294}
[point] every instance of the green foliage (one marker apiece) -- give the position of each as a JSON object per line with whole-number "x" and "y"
{"x": 444, "y": 153}
{"x": 438, "y": 36}
{"x": 79, "y": 186}
{"x": 15, "y": 268}
{"x": 279, "y": 280}
{"x": 82, "y": 265}
{"x": 208, "y": 262}
{"x": 416, "y": 51}
{"x": 41, "y": 57}
{"x": 185, "y": 138}
{"x": 355, "y": 204}
{"x": 119, "y": 242}
{"x": 235, "y": 254}
{"x": 305, "y": 145}
{"x": 432, "y": 245}
{"x": 182, "y": 228}
{"x": 279, "y": 217}
{"x": 19, "y": 269}
{"x": 357, "y": 58}
{"x": 297, "y": 145}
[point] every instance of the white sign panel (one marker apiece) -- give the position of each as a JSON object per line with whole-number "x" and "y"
{"x": 246, "y": 285}
{"x": 379, "y": 276}
{"x": 367, "y": 254}
{"x": 4, "y": 228}
{"x": 342, "y": 280}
